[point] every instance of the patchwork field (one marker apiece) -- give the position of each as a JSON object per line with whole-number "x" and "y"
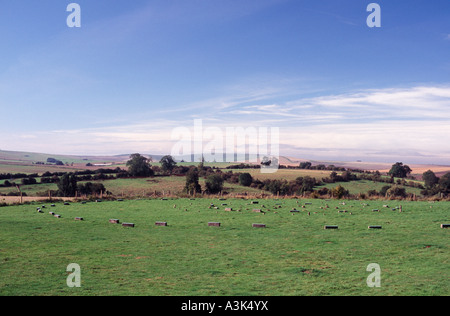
{"x": 294, "y": 255}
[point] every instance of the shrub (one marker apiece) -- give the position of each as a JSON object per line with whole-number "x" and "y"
{"x": 90, "y": 188}
{"x": 245, "y": 179}
{"x": 396, "y": 191}
{"x": 67, "y": 185}
{"x": 139, "y": 166}
{"x": 214, "y": 183}
{"x": 28, "y": 181}
{"x": 192, "y": 185}
{"x": 399, "y": 170}
{"x": 339, "y": 192}
{"x": 384, "y": 190}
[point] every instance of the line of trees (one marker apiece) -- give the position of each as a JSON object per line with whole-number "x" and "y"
{"x": 140, "y": 166}
{"x": 309, "y": 166}
{"x": 215, "y": 179}
{"x": 11, "y": 176}
{"x": 55, "y": 161}
{"x": 68, "y": 187}
{"x": 435, "y": 185}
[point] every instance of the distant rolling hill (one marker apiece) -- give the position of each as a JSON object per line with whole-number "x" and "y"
{"x": 417, "y": 169}
{"x": 23, "y": 158}
{"x": 31, "y": 157}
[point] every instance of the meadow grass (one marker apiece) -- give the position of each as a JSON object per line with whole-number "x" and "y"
{"x": 131, "y": 187}
{"x": 29, "y": 169}
{"x": 286, "y": 174}
{"x": 364, "y": 186}
{"x": 293, "y": 256}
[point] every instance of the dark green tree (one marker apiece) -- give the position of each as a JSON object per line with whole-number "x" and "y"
{"x": 90, "y": 188}
{"x": 139, "y": 166}
{"x": 167, "y": 163}
{"x": 444, "y": 183}
{"x": 308, "y": 184}
{"x": 273, "y": 186}
{"x": 339, "y": 192}
{"x": 192, "y": 185}
{"x": 396, "y": 191}
{"x": 430, "y": 179}
{"x": 399, "y": 170}
{"x": 334, "y": 177}
{"x": 384, "y": 189}
{"x": 214, "y": 183}
{"x": 347, "y": 176}
{"x": 305, "y": 165}
{"x": 245, "y": 179}
{"x": 28, "y": 181}
{"x": 67, "y": 185}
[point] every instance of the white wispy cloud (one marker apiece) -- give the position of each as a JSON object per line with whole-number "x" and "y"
{"x": 393, "y": 121}
{"x": 380, "y": 123}
{"x": 416, "y": 103}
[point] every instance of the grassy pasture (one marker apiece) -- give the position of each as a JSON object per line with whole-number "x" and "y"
{"x": 287, "y": 174}
{"x": 30, "y": 168}
{"x": 131, "y": 187}
{"x": 294, "y": 255}
{"x": 30, "y": 190}
{"x": 363, "y": 186}
{"x": 14, "y": 162}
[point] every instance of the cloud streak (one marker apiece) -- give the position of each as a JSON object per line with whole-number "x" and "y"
{"x": 382, "y": 123}
{"x": 410, "y": 104}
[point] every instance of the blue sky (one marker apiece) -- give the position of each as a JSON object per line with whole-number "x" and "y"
{"x": 136, "y": 70}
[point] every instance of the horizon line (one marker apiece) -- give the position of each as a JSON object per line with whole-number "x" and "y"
{"x": 289, "y": 157}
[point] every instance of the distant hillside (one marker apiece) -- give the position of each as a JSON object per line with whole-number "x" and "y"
{"x": 29, "y": 158}
{"x": 417, "y": 169}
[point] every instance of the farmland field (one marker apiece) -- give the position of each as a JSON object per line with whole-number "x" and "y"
{"x": 363, "y": 186}
{"x": 292, "y": 256}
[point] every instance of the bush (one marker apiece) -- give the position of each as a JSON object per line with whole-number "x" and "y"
{"x": 90, "y": 188}
{"x": 396, "y": 191}
{"x": 139, "y": 166}
{"x": 339, "y": 192}
{"x": 399, "y": 170}
{"x": 192, "y": 185}
{"x": 16, "y": 194}
{"x": 308, "y": 183}
{"x": 245, "y": 179}
{"x": 444, "y": 183}
{"x": 67, "y": 185}
{"x": 384, "y": 190}
{"x": 214, "y": 183}
{"x": 28, "y": 181}
{"x": 167, "y": 164}
{"x": 323, "y": 191}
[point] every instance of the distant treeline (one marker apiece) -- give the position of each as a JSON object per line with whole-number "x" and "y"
{"x": 396, "y": 179}
{"x": 302, "y": 165}
{"x": 10, "y": 176}
{"x": 54, "y": 177}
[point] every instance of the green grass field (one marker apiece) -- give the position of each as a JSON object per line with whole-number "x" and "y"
{"x": 130, "y": 187}
{"x": 292, "y": 256}
{"x": 363, "y": 186}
